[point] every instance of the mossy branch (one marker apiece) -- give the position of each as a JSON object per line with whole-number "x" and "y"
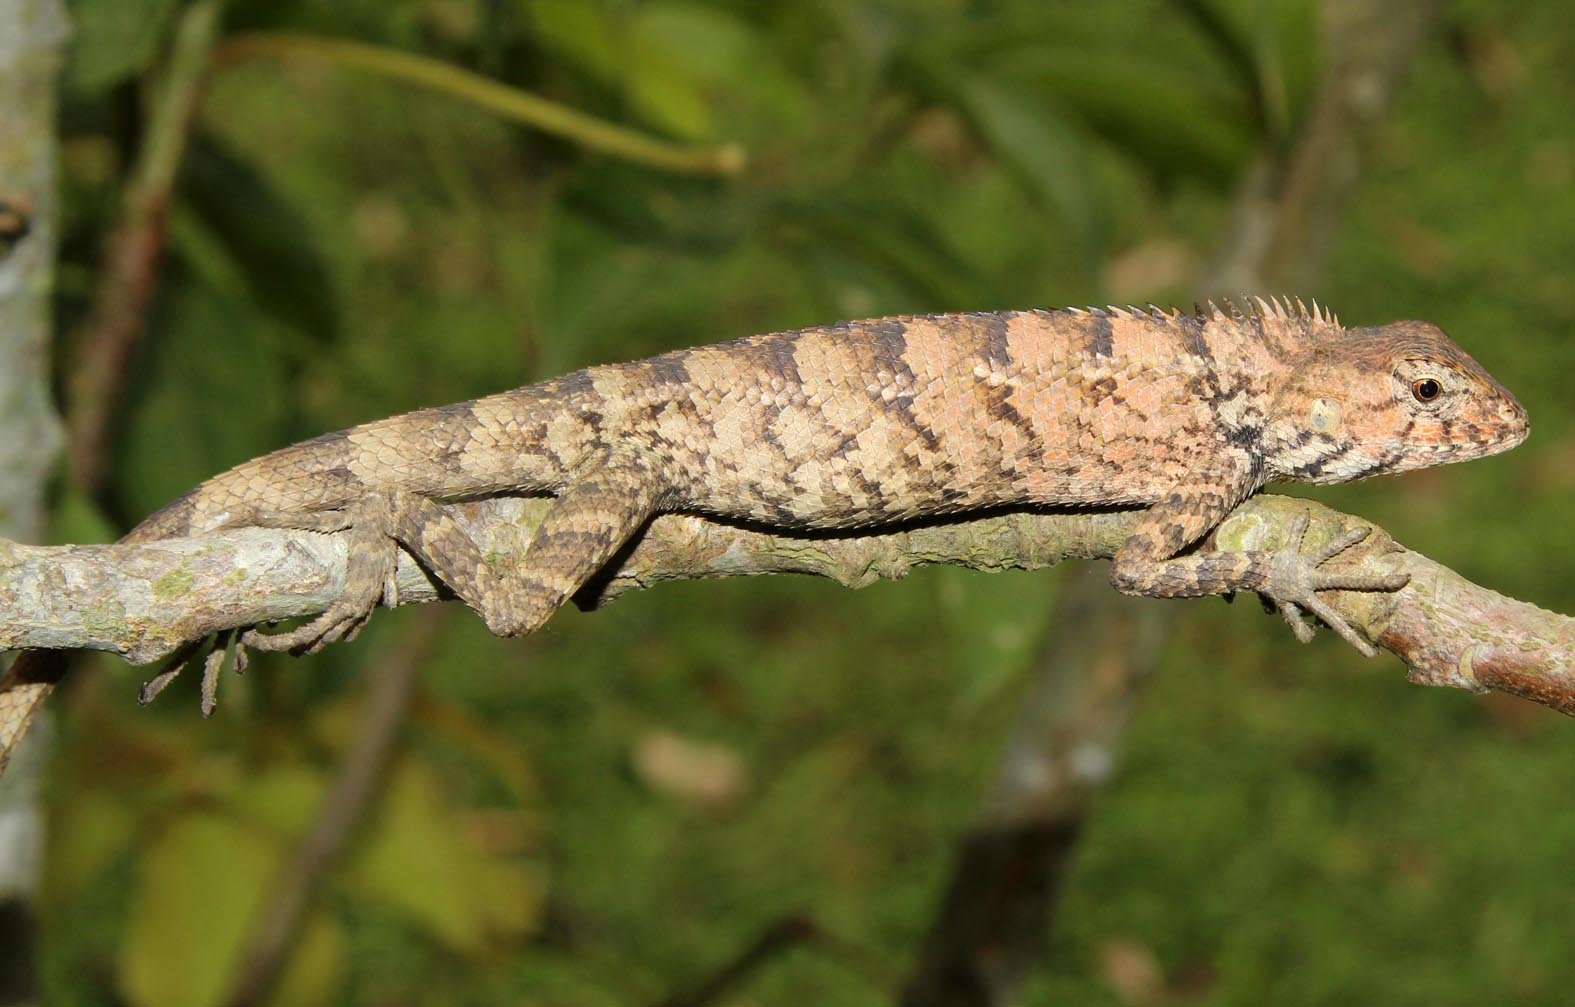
{"x": 144, "y": 601}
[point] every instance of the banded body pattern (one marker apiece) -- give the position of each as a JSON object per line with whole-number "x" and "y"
{"x": 872, "y": 422}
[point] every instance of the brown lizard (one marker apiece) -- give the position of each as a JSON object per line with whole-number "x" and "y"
{"x": 871, "y": 423}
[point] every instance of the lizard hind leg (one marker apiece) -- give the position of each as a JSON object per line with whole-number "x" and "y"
{"x": 605, "y": 504}
{"x": 603, "y": 507}
{"x": 372, "y": 555}
{"x": 378, "y": 524}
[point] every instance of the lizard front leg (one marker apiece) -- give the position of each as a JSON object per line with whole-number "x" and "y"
{"x": 1149, "y": 561}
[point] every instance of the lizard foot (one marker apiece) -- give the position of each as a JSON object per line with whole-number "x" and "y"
{"x": 1295, "y": 580}
{"x": 368, "y": 579}
{"x": 225, "y": 647}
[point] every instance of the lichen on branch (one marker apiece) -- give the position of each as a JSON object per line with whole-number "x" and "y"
{"x": 144, "y": 601}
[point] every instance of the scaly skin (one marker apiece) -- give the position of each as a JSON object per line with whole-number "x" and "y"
{"x": 868, "y": 423}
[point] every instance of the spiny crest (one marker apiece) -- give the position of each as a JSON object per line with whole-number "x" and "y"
{"x": 1317, "y": 320}
{"x": 1131, "y": 311}
{"x": 1314, "y": 321}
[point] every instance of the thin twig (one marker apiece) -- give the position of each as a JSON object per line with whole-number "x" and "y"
{"x": 135, "y": 250}
{"x": 356, "y": 784}
{"x": 782, "y": 936}
{"x": 509, "y": 102}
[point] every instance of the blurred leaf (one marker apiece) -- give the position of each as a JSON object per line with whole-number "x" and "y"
{"x": 500, "y": 753}
{"x": 686, "y": 68}
{"x": 284, "y": 797}
{"x": 1173, "y": 123}
{"x": 1031, "y": 136}
{"x": 892, "y": 237}
{"x": 199, "y": 886}
{"x": 1270, "y": 46}
{"x": 874, "y": 30}
{"x": 1226, "y": 26}
{"x": 679, "y": 53}
{"x": 695, "y": 67}
{"x": 315, "y": 973}
{"x": 88, "y": 834}
{"x": 418, "y": 862}
{"x": 114, "y": 39}
{"x": 1299, "y": 56}
{"x": 271, "y": 243}
{"x": 205, "y": 361}
{"x": 582, "y": 31}
{"x": 79, "y": 519}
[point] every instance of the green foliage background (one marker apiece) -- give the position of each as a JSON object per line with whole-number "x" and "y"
{"x": 1290, "y": 824}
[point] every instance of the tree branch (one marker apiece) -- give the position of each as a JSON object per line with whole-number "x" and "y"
{"x": 143, "y": 601}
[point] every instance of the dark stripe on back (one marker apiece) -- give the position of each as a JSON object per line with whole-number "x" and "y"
{"x": 994, "y": 345}
{"x": 448, "y": 430}
{"x": 1192, "y": 338}
{"x": 775, "y": 357}
{"x": 995, "y": 353}
{"x": 1100, "y": 339}
{"x": 667, "y": 369}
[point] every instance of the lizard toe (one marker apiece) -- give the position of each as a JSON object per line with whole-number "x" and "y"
{"x": 1338, "y": 544}
{"x": 1294, "y": 619}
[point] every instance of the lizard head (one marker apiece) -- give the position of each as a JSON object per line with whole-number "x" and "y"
{"x": 1387, "y": 399}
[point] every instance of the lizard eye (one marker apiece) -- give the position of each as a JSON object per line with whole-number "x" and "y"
{"x": 1426, "y": 389}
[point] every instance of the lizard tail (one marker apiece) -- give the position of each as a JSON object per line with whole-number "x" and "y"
{"x": 23, "y": 689}
{"x": 526, "y": 440}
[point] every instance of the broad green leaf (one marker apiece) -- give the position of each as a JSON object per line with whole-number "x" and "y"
{"x": 197, "y": 893}
{"x": 114, "y": 39}
{"x": 700, "y": 72}
{"x": 581, "y": 31}
{"x": 419, "y": 863}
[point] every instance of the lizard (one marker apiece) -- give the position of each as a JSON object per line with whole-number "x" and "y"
{"x": 870, "y": 423}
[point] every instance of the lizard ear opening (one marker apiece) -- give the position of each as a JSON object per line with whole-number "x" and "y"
{"x": 1324, "y": 416}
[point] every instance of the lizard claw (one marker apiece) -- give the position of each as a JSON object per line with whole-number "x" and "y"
{"x": 1295, "y": 580}
{"x": 342, "y": 621}
{"x": 369, "y": 578}
{"x": 226, "y": 647}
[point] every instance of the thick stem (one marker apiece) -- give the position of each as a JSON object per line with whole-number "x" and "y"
{"x": 32, "y": 34}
